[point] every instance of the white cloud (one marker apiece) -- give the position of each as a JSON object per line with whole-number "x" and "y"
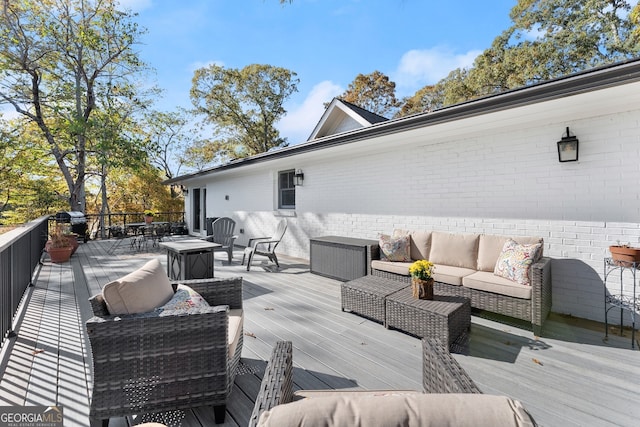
{"x": 199, "y": 64}
{"x": 7, "y": 112}
{"x": 136, "y": 5}
{"x": 535, "y": 33}
{"x": 300, "y": 120}
{"x": 418, "y": 68}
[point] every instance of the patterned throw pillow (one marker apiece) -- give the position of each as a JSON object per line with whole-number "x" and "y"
{"x": 515, "y": 261}
{"x": 395, "y": 248}
{"x": 184, "y": 300}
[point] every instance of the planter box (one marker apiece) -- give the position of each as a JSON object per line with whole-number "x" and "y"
{"x": 625, "y": 254}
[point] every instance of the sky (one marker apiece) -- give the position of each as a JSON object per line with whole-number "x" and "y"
{"x": 327, "y": 43}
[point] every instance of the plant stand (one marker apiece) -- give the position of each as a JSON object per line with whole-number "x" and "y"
{"x": 422, "y": 289}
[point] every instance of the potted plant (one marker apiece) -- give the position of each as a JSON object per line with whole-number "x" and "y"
{"x": 59, "y": 247}
{"x": 148, "y": 216}
{"x": 422, "y": 279}
{"x": 624, "y": 254}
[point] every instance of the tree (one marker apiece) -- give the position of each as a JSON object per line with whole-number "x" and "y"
{"x": 374, "y": 92}
{"x": 244, "y": 104}
{"x": 424, "y": 100}
{"x": 548, "y": 39}
{"x": 168, "y": 136}
{"x": 205, "y": 152}
{"x": 56, "y": 59}
{"x": 572, "y": 35}
{"x": 28, "y": 188}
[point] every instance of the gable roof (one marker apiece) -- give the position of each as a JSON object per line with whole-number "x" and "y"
{"x": 582, "y": 82}
{"x": 341, "y": 116}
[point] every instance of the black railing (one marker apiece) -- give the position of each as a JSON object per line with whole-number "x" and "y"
{"x": 20, "y": 253}
{"x": 100, "y": 226}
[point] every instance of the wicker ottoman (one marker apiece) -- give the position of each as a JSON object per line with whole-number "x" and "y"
{"x": 366, "y": 296}
{"x": 443, "y": 318}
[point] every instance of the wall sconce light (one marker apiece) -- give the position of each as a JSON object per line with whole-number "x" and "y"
{"x": 298, "y": 178}
{"x": 568, "y": 148}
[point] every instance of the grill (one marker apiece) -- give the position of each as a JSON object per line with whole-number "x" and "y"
{"x": 77, "y": 220}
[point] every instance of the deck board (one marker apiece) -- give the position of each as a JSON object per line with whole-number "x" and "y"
{"x": 568, "y": 376}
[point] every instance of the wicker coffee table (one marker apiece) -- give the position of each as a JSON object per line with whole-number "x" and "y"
{"x": 366, "y": 296}
{"x": 443, "y": 318}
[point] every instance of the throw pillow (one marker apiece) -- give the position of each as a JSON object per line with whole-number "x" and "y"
{"x": 514, "y": 262}
{"x": 140, "y": 291}
{"x": 395, "y": 248}
{"x": 183, "y": 300}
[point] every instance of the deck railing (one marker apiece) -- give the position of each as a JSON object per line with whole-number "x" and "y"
{"x": 20, "y": 253}
{"x": 100, "y": 224}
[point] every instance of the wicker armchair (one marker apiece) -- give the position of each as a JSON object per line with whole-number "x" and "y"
{"x": 441, "y": 374}
{"x": 146, "y": 363}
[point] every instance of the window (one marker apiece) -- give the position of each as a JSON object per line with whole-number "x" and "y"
{"x": 286, "y": 190}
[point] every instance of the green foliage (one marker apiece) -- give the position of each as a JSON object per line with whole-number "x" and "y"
{"x": 548, "y": 39}
{"x": 243, "y": 105}
{"x": 169, "y": 135}
{"x": 374, "y": 92}
{"x": 28, "y": 189}
{"x": 58, "y": 61}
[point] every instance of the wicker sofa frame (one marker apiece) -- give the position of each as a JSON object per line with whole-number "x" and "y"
{"x": 441, "y": 374}
{"x": 534, "y": 310}
{"x": 146, "y": 363}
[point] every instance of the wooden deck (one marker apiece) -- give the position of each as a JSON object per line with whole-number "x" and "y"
{"x": 568, "y": 377}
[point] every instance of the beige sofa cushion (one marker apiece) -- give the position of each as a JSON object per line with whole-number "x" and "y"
{"x": 487, "y": 281}
{"x": 457, "y": 250}
{"x": 392, "y": 266}
{"x": 406, "y": 410}
{"x": 450, "y": 275}
{"x": 420, "y": 243}
{"x": 236, "y": 320}
{"x": 490, "y": 247}
{"x": 139, "y": 291}
{"x": 312, "y": 394}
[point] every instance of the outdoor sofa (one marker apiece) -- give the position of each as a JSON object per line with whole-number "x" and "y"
{"x": 450, "y": 398}
{"x": 466, "y": 265}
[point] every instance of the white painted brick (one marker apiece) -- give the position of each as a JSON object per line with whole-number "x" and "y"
{"x": 502, "y": 178}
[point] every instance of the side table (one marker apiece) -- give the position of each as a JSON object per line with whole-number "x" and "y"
{"x": 341, "y": 258}
{"x": 366, "y": 296}
{"x": 444, "y": 317}
{"x": 190, "y": 259}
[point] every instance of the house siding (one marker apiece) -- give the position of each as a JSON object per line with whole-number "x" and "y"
{"x": 496, "y": 173}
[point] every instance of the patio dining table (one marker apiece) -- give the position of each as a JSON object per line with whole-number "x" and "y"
{"x": 135, "y": 227}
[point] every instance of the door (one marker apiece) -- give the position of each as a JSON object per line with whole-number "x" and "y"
{"x": 196, "y": 210}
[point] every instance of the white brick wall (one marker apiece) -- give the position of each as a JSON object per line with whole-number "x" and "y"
{"x": 495, "y": 174}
